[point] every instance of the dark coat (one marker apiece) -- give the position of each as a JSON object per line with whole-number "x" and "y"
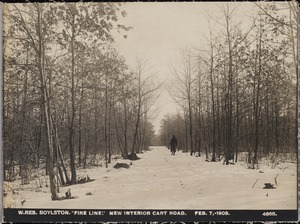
{"x": 173, "y": 143}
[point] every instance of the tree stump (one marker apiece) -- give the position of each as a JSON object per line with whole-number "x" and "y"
{"x": 68, "y": 194}
{"x": 269, "y": 186}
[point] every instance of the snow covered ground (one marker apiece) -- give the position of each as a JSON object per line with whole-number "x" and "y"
{"x": 161, "y": 181}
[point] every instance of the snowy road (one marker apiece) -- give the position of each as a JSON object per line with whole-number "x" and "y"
{"x": 162, "y": 181}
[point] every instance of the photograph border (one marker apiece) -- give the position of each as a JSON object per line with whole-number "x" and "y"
{"x": 143, "y": 215}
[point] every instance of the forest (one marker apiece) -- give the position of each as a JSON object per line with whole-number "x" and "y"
{"x": 69, "y": 98}
{"x": 72, "y": 101}
{"x": 239, "y": 93}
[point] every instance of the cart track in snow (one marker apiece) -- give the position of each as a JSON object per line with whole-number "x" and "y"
{"x": 161, "y": 181}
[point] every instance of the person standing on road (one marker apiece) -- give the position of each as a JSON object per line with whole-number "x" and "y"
{"x": 173, "y": 145}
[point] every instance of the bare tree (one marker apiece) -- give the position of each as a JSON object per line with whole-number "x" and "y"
{"x": 185, "y": 78}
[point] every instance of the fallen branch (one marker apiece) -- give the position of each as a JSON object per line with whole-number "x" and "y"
{"x": 276, "y": 179}
{"x": 254, "y": 183}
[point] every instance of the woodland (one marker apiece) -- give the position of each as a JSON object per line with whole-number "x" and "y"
{"x": 239, "y": 94}
{"x": 71, "y": 101}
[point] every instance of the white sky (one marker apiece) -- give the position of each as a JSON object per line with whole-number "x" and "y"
{"x": 160, "y": 30}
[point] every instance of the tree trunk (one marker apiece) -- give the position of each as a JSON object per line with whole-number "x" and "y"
{"x": 125, "y": 129}
{"x": 118, "y": 133}
{"x": 71, "y": 125}
{"x": 213, "y": 107}
{"x": 80, "y": 123}
{"x": 59, "y": 153}
{"x": 46, "y": 109}
{"x": 137, "y": 123}
{"x": 229, "y": 115}
{"x": 257, "y": 104}
{"x": 105, "y": 121}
